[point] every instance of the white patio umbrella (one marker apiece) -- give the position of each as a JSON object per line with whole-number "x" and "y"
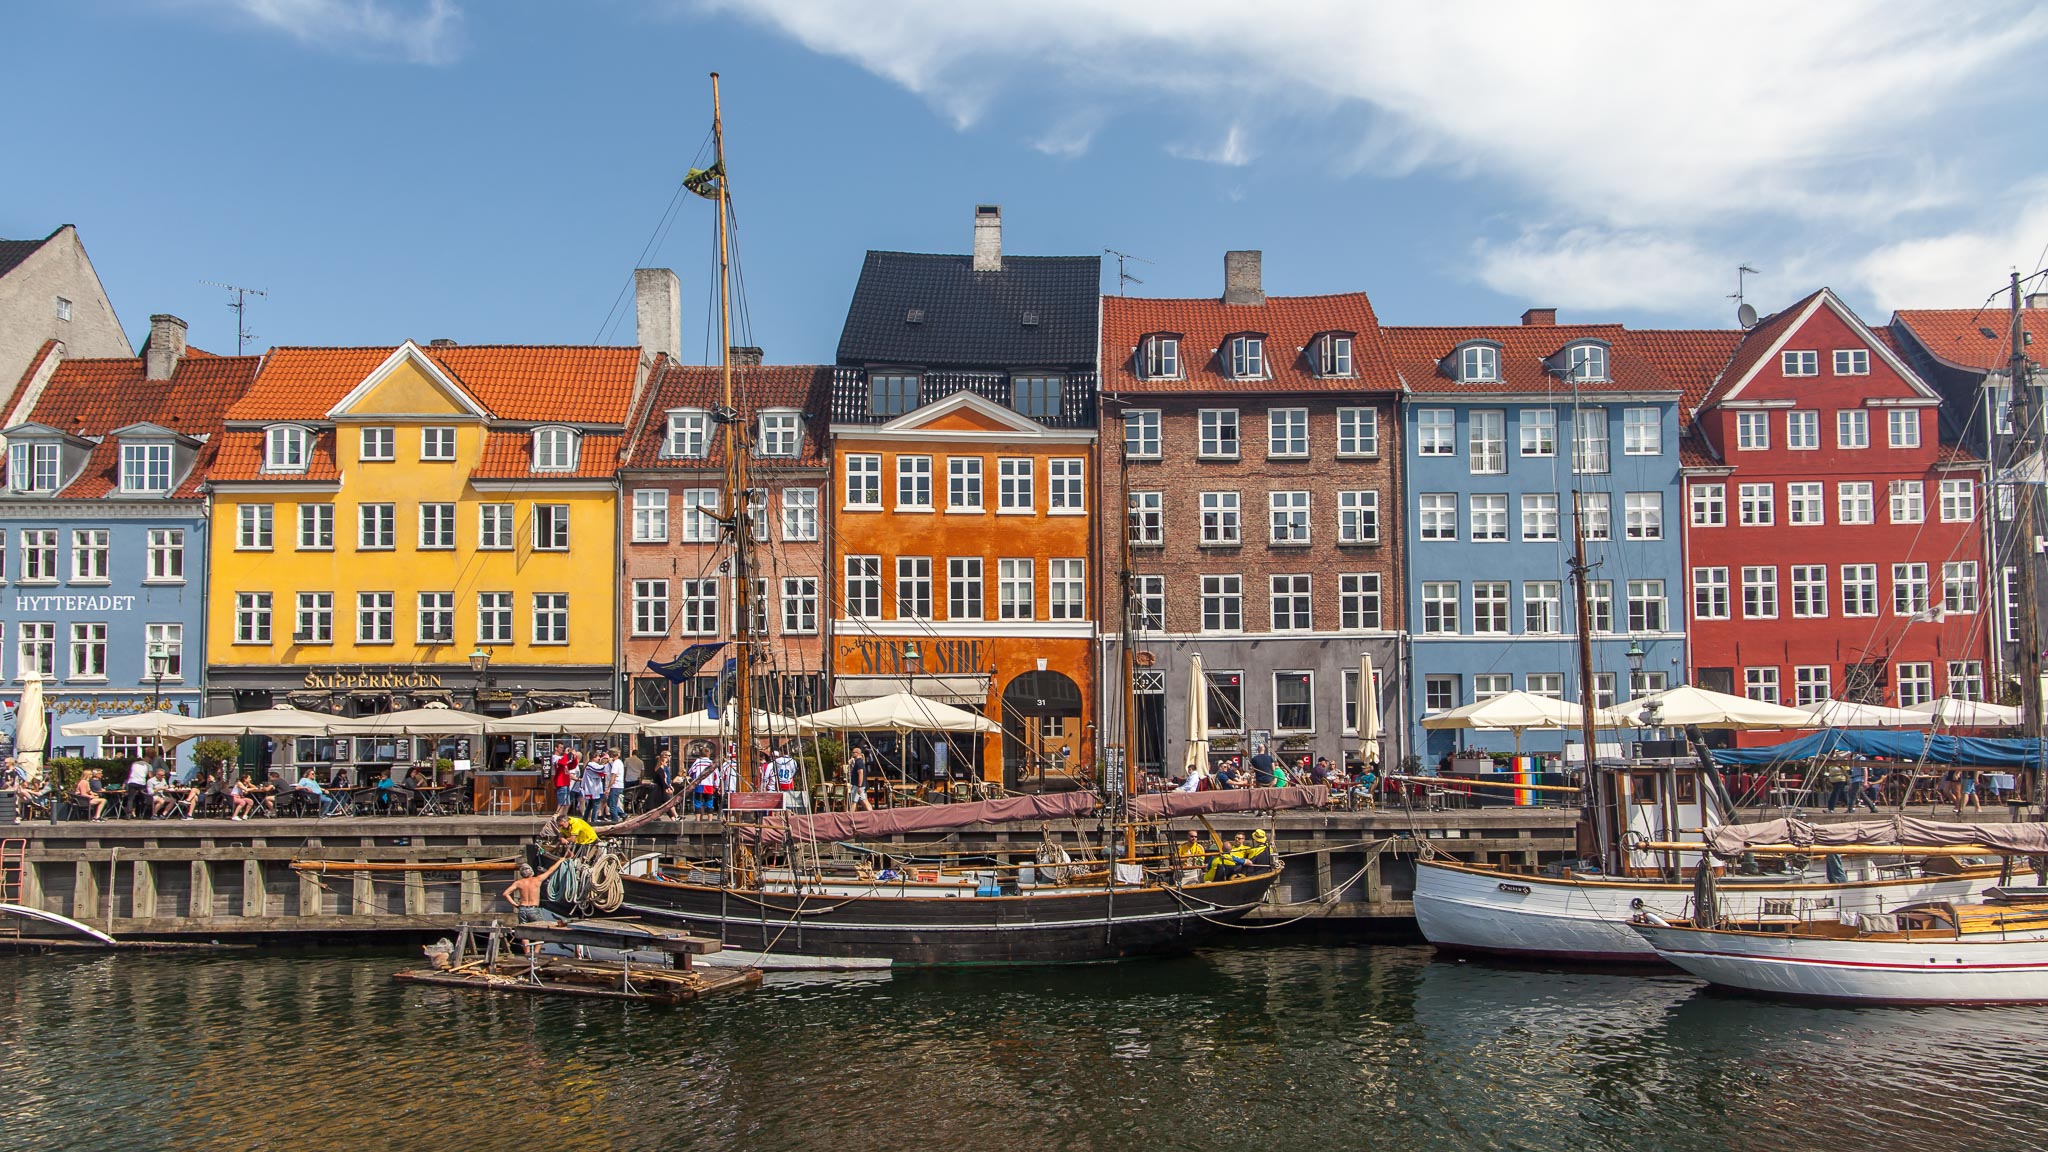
{"x": 31, "y": 731}
{"x": 701, "y": 724}
{"x": 278, "y": 720}
{"x": 1689, "y": 705}
{"x": 1197, "y": 756}
{"x": 1954, "y": 712}
{"x": 1510, "y": 712}
{"x": 898, "y": 712}
{"x": 1855, "y": 714}
{"x": 1368, "y": 714}
{"x": 435, "y": 719}
{"x": 574, "y": 720}
{"x": 165, "y": 727}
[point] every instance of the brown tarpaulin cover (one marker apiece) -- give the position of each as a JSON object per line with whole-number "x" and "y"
{"x": 1170, "y": 804}
{"x": 934, "y": 818}
{"x": 2019, "y": 839}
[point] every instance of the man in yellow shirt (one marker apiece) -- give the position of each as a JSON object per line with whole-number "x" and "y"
{"x": 1192, "y": 858}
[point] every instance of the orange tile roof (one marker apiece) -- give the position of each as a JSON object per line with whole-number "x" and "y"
{"x": 537, "y": 382}
{"x": 1632, "y": 365}
{"x": 1691, "y": 358}
{"x": 804, "y": 387}
{"x": 241, "y": 458}
{"x": 1755, "y": 344}
{"x": 1203, "y": 324}
{"x": 1953, "y": 336}
{"x": 93, "y": 397}
{"x": 34, "y": 362}
{"x": 509, "y": 456}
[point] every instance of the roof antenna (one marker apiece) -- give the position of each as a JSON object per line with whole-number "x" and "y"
{"x": 239, "y": 306}
{"x": 1123, "y": 277}
{"x": 1745, "y": 314}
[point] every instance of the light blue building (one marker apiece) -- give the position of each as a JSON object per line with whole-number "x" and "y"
{"x": 103, "y": 527}
{"x": 1504, "y": 428}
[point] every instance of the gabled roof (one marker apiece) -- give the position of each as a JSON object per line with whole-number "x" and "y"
{"x": 1289, "y": 323}
{"x": 1956, "y": 336}
{"x": 1691, "y": 358}
{"x": 1039, "y": 311}
{"x": 1527, "y": 353}
{"x": 576, "y": 384}
{"x": 13, "y": 252}
{"x": 411, "y": 353}
{"x": 1773, "y": 332}
{"x": 804, "y": 387}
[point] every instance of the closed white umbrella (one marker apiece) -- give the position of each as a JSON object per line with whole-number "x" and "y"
{"x": 701, "y": 724}
{"x": 1954, "y": 712}
{"x": 1198, "y": 718}
{"x": 1689, "y": 705}
{"x": 575, "y": 720}
{"x": 898, "y": 712}
{"x": 1368, "y": 714}
{"x": 1855, "y": 714}
{"x": 31, "y": 732}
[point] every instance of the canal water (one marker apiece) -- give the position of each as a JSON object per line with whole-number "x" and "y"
{"x": 1269, "y": 1048}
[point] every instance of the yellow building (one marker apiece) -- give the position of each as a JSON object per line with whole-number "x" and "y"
{"x": 382, "y": 516}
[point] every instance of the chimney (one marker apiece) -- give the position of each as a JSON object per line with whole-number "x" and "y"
{"x": 440, "y": 342}
{"x": 166, "y": 346}
{"x": 745, "y": 357}
{"x": 1241, "y": 278}
{"x": 1540, "y": 318}
{"x": 988, "y": 237}
{"x": 658, "y": 310}
{"x": 2037, "y": 299}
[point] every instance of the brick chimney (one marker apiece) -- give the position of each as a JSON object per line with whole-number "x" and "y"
{"x": 440, "y": 342}
{"x": 1241, "y": 284}
{"x": 166, "y": 346}
{"x": 744, "y": 356}
{"x": 658, "y": 310}
{"x": 988, "y": 237}
{"x": 1540, "y": 318}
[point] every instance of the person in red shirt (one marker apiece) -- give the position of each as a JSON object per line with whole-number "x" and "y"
{"x": 565, "y": 771}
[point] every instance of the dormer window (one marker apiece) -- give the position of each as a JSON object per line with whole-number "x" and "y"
{"x": 892, "y": 393}
{"x": 285, "y": 448}
{"x": 1246, "y": 356}
{"x": 554, "y": 449}
{"x": 689, "y": 432}
{"x": 32, "y": 467}
{"x": 1036, "y": 396}
{"x": 1478, "y": 363}
{"x": 1333, "y": 354}
{"x": 1159, "y": 358}
{"x": 1585, "y": 362}
{"x": 781, "y": 434}
{"x": 146, "y": 468}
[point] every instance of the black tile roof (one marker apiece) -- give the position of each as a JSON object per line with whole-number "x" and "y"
{"x": 973, "y": 319}
{"x": 13, "y": 252}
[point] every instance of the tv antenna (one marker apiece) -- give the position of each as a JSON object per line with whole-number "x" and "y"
{"x": 240, "y": 307}
{"x": 1745, "y": 315}
{"x": 1123, "y": 277}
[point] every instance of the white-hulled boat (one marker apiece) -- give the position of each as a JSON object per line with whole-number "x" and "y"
{"x": 1993, "y": 951}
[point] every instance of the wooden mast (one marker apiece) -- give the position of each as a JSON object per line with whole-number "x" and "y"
{"x": 736, "y": 507}
{"x": 1595, "y": 790}
{"x": 2021, "y": 463}
{"x": 1129, "y": 660}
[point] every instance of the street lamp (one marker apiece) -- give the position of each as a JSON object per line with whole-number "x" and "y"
{"x": 1636, "y": 656}
{"x": 159, "y": 663}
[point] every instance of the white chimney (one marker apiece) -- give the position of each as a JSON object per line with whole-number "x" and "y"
{"x": 658, "y": 310}
{"x": 988, "y": 238}
{"x": 2037, "y": 299}
{"x": 166, "y": 346}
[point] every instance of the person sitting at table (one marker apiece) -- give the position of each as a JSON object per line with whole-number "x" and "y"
{"x": 388, "y": 793}
{"x": 87, "y": 792}
{"x": 417, "y": 779}
{"x": 309, "y": 785}
{"x": 162, "y": 800}
{"x": 190, "y": 795}
{"x": 241, "y": 801}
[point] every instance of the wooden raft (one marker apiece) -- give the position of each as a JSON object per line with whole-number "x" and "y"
{"x": 482, "y": 959}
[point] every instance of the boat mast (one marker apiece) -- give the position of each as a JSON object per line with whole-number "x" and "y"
{"x": 1595, "y": 789}
{"x": 2021, "y": 467}
{"x": 735, "y": 512}
{"x": 1129, "y": 581}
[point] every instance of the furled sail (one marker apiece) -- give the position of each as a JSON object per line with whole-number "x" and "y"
{"x": 1732, "y": 840}
{"x": 779, "y": 827}
{"x": 1171, "y": 804}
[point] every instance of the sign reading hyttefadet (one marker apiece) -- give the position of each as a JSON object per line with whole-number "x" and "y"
{"x": 50, "y": 602}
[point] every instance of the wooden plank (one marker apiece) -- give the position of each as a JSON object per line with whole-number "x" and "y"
{"x": 593, "y": 936}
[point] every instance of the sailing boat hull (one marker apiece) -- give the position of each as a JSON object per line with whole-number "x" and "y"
{"x": 1076, "y": 925}
{"x": 1471, "y": 909}
{"x": 1928, "y": 971}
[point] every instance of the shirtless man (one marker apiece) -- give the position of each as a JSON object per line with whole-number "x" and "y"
{"x": 524, "y": 894}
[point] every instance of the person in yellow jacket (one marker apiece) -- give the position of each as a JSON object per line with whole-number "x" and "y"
{"x": 1192, "y": 857}
{"x": 1242, "y": 858}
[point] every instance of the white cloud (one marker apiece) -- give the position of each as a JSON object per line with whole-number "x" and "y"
{"x": 416, "y": 31}
{"x": 1596, "y": 269}
{"x": 1069, "y": 138}
{"x": 1231, "y": 151}
{"x": 1958, "y": 269}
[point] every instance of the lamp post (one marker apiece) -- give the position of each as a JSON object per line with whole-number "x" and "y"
{"x": 1636, "y": 656}
{"x": 159, "y": 661}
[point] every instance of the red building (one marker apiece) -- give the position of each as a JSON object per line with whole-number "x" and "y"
{"x": 1835, "y": 544}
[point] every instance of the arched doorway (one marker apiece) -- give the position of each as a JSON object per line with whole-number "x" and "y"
{"x": 1041, "y": 729}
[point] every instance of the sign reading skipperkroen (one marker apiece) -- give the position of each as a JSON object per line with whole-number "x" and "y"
{"x": 374, "y": 678}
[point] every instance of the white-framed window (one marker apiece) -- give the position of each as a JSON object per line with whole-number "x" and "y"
{"x": 1600, "y": 605}
{"x": 1358, "y": 601}
{"x": 437, "y": 527}
{"x": 799, "y": 605}
{"x": 1809, "y": 590}
{"x": 892, "y": 393}
{"x": 1909, "y": 502}
{"x": 1147, "y": 516}
{"x": 375, "y": 617}
{"x": 555, "y": 449}
{"x": 1437, "y": 515}
{"x": 1065, "y": 486}
{"x": 378, "y": 444}
{"x": 1539, "y": 516}
{"x": 963, "y": 483}
{"x": 437, "y": 443}
{"x": 1436, "y": 432}
{"x": 63, "y": 308}
{"x": 1959, "y": 585}
{"x": 1294, "y": 702}
{"x": 1142, "y": 434}
{"x": 1549, "y": 685}
{"x": 1219, "y": 433}
{"x": 799, "y": 513}
{"x": 1958, "y": 500}
{"x": 913, "y": 587}
{"x": 168, "y": 639}
{"x": 88, "y": 651}
{"x": 494, "y": 527}
{"x": 965, "y": 596}
{"x": 1358, "y": 517}
{"x": 1333, "y": 355}
{"x": 376, "y": 527}
{"x": 1852, "y": 361}
{"x": 1909, "y": 589}
{"x": 1542, "y": 607}
{"x": 494, "y": 617}
{"x": 1015, "y": 480}
{"x": 1148, "y": 603}
{"x": 1642, "y": 432}
{"x": 1066, "y": 588}
{"x": 316, "y": 527}
{"x": 780, "y": 434}
{"x": 864, "y": 587}
{"x": 1757, "y": 505}
{"x": 166, "y": 556}
{"x": 689, "y": 433}
{"x": 1589, "y": 440}
{"x": 551, "y": 615}
{"x": 1358, "y": 432}
{"x": 1596, "y": 515}
{"x": 1710, "y": 593}
{"x": 285, "y": 448}
{"x": 1646, "y": 606}
{"x": 650, "y": 607}
{"x": 1852, "y": 428}
{"x": 1752, "y": 431}
{"x": 1916, "y": 683}
{"x": 1586, "y": 362}
{"x": 32, "y": 467}
{"x": 1490, "y": 516}
{"x": 551, "y": 527}
{"x": 1292, "y": 604}
{"x": 1904, "y": 425}
{"x": 1709, "y": 505}
{"x": 1439, "y": 694}
{"x": 145, "y": 468}
{"x": 253, "y": 523}
{"x": 1222, "y": 606}
{"x": 1760, "y": 592}
{"x": 1811, "y": 684}
{"x": 89, "y": 549}
{"x": 1478, "y": 363}
{"x": 1160, "y": 358}
{"x": 1966, "y": 679}
{"x": 1017, "y": 589}
{"x": 1538, "y": 431}
{"x": 1246, "y": 356}
{"x": 1440, "y": 607}
{"x": 314, "y": 621}
{"x": 1803, "y": 362}
{"x": 437, "y": 618}
{"x": 1490, "y": 607}
{"x": 1802, "y": 430}
{"x": 1286, "y": 432}
{"x": 1761, "y": 684}
{"x": 1220, "y": 518}
{"x": 1643, "y": 515}
{"x": 1806, "y": 502}
{"x": 1486, "y": 439}
{"x": 1855, "y": 502}
{"x": 1859, "y": 589}
{"x": 650, "y": 516}
{"x": 1289, "y": 517}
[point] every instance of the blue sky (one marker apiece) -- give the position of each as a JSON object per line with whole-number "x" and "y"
{"x": 492, "y": 171}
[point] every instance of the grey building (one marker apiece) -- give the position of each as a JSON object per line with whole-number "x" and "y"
{"x": 49, "y": 291}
